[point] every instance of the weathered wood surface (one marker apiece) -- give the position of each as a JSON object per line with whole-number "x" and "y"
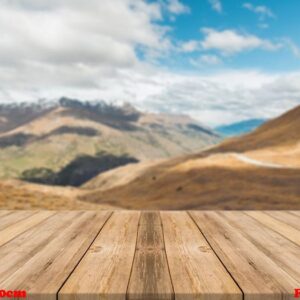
{"x": 196, "y": 271}
{"x": 16, "y": 223}
{"x": 40, "y": 259}
{"x": 150, "y": 255}
{"x": 105, "y": 269}
{"x": 258, "y": 275}
{"x": 150, "y": 277}
{"x": 283, "y": 228}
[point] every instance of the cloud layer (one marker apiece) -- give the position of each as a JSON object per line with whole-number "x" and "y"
{"x": 107, "y": 50}
{"x": 231, "y": 41}
{"x": 221, "y": 98}
{"x": 228, "y": 42}
{"x": 262, "y": 11}
{"x": 68, "y": 42}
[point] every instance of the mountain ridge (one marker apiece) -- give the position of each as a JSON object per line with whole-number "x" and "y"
{"x": 249, "y": 172}
{"x": 240, "y": 128}
{"x": 240, "y": 173}
{"x": 57, "y": 135}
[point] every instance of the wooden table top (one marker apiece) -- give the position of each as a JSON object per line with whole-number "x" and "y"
{"x": 150, "y": 255}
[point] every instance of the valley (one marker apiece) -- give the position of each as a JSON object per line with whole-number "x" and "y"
{"x": 260, "y": 170}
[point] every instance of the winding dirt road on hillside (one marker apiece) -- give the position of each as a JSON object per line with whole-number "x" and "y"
{"x": 258, "y": 163}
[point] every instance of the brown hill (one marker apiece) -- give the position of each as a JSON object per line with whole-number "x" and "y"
{"x": 218, "y": 178}
{"x": 21, "y": 195}
{"x": 279, "y": 132}
{"x": 55, "y": 138}
{"x": 15, "y": 115}
{"x": 277, "y": 141}
{"x": 258, "y": 171}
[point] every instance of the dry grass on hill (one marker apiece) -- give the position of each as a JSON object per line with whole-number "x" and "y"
{"x": 213, "y": 179}
{"x": 217, "y": 183}
{"x": 18, "y": 195}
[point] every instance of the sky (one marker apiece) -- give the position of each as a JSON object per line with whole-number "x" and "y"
{"x": 220, "y": 61}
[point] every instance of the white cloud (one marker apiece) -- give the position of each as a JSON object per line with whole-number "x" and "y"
{"x": 190, "y": 46}
{"x": 221, "y": 98}
{"x": 176, "y": 7}
{"x": 206, "y": 59}
{"x": 263, "y": 25}
{"x": 216, "y": 5}
{"x": 293, "y": 47}
{"x": 90, "y": 51}
{"x": 263, "y": 11}
{"x": 210, "y": 59}
{"x": 57, "y": 43}
{"x": 49, "y": 44}
{"x": 72, "y": 33}
{"x": 230, "y": 41}
{"x": 226, "y": 97}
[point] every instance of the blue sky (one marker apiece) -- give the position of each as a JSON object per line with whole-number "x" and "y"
{"x": 219, "y": 61}
{"x": 274, "y": 21}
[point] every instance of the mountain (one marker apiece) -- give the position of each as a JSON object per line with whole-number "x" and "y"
{"x": 71, "y": 141}
{"x": 260, "y": 170}
{"x": 279, "y": 132}
{"x": 20, "y": 195}
{"x": 240, "y": 128}
{"x": 277, "y": 141}
{"x": 15, "y": 115}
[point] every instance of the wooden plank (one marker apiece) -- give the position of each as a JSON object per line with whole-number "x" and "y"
{"x": 150, "y": 235}
{"x": 10, "y": 217}
{"x": 104, "y": 271}
{"x": 150, "y": 278}
{"x": 150, "y": 218}
{"x": 40, "y": 260}
{"x": 284, "y": 229}
{"x": 20, "y": 222}
{"x": 286, "y": 217}
{"x": 267, "y": 241}
{"x": 4, "y": 212}
{"x": 196, "y": 271}
{"x": 18, "y": 251}
{"x": 295, "y": 212}
{"x": 256, "y": 273}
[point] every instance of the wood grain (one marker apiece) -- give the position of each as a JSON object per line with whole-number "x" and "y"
{"x": 18, "y": 223}
{"x": 40, "y": 260}
{"x": 135, "y": 255}
{"x": 8, "y": 218}
{"x": 256, "y": 273}
{"x": 196, "y": 271}
{"x": 5, "y": 212}
{"x": 104, "y": 271}
{"x": 150, "y": 278}
{"x": 295, "y": 212}
{"x": 286, "y": 217}
{"x": 267, "y": 241}
{"x": 283, "y": 228}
